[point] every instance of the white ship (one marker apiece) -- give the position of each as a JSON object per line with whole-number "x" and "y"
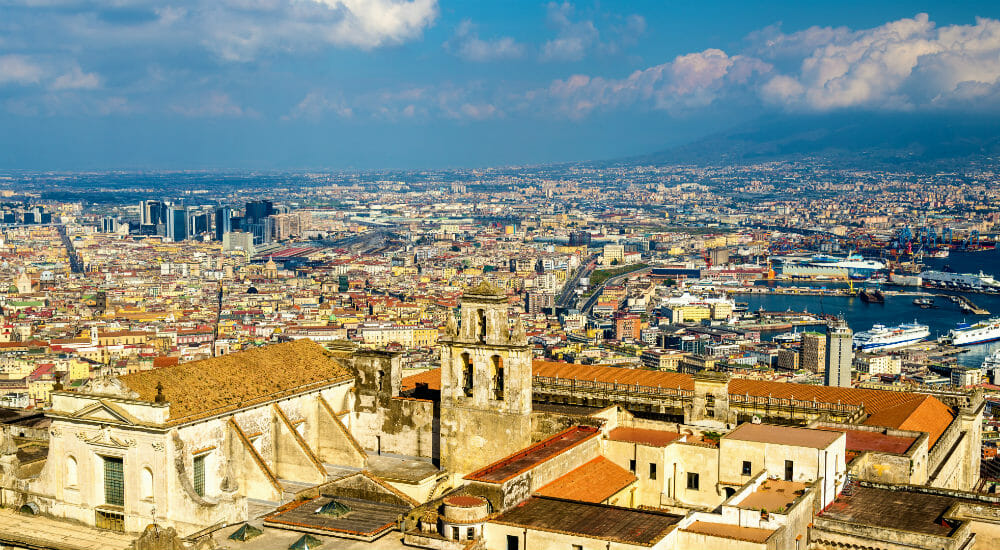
{"x": 966, "y": 281}
{"x": 881, "y": 337}
{"x": 966, "y": 335}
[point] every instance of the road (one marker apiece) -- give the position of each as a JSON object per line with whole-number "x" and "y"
{"x": 567, "y": 298}
{"x": 589, "y": 304}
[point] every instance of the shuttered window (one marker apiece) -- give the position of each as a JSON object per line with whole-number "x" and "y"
{"x": 199, "y": 475}
{"x": 114, "y": 481}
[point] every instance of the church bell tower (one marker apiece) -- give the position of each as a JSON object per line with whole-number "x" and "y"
{"x": 485, "y": 383}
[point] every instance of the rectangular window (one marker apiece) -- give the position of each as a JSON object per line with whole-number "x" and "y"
{"x": 652, "y": 471}
{"x": 470, "y": 533}
{"x": 513, "y": 542}
{"x": 789, "y": 470}
{"x": 114, "y": 481}
{"x": 577, "y": 547}
{"x": 456, "y": 534}
{"x": 693, "y": 481}
{"x": 631, "y": 466}
{"x": 112, "y": 521}
{"x": 747, "y": 468}
{"x": 199, "y": 475}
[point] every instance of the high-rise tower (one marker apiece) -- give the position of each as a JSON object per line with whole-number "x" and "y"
{"x": 839, "y": 355}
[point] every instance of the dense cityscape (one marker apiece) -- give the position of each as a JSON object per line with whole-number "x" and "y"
{"x": 243, "y": 325}
{"x": 521, "y": 275}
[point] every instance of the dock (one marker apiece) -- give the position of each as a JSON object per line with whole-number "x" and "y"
{"x": 967, "y": 306}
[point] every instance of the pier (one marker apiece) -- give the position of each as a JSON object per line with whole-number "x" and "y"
{"x": 967, "y": 306}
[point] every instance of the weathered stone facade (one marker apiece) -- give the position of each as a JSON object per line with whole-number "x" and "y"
{"x": 485, "y": 384}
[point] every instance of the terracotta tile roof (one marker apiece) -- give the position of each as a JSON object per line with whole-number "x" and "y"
{"x": 642, "y": 436}
{"x": 734, "y": 532}
{"x": 873, "y": 400}
{"x": 529, "y": 457}
{"x": 431, "y": 377}
{"x": 923, "y": 414}
{"x": 783, "y": 435}
{"x": 595, "y": 481}
{"x": 213, "y": 386}
{"x": 652, "y": 378}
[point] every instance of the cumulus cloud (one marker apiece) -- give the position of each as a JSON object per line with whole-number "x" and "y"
{"x": 19, "y": 69}
{"x": 574, "y": 38}
{"x": 76, "y": 79}
{"x": 904, "y": 64}
{"x": 467, "y": 45}
{"x": 316, "y": 104}
{"x": 689, "y": 81}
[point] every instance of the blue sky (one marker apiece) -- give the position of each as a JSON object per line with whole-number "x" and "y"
{"x": 270, "y": 84}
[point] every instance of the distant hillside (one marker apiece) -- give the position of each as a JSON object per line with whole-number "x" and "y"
{"x": 854, "y": 139}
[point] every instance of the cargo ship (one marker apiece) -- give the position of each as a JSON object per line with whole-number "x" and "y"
{"x": 881, "y": 337}
{"x": 966, "y": 335}
{"x": 871, "y": 296}
{"x": 960, "y": 281}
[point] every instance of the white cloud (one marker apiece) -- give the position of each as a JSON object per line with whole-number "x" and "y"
{"x": 238, "y": 30}
{"x": 904, "y": 64}
{"x": 19, "y": 69}
{"x": 467, "y": 45}
{"x": 76, "y": 79}
{"x": 316, "y": 104}
{"x": 574, "y": 38}
{"x": 689, "y": 81}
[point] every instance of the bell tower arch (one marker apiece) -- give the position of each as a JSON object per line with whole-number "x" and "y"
{"x": 485, "y": 383}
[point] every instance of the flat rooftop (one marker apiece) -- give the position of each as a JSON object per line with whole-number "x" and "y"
{"x": 861, "y": 441}
{"x": 366, "y": 518}
{"x": 901, "y": 510}
{"x": 774, "y": 495}
{"x": 783, "y": 435}
{"x": 644, "y": 436}
{"x": 530, "y": 457}
{"x": 733, "y": 532}
{"x": 600, "y": 521}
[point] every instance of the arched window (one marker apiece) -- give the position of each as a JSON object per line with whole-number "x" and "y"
{"x": 72, "y": 476}
{"x": 496, "y": 366}
{"x": 467, "y": 374}
{"x": 482, "y": 324}
{"x": 146, "y": 483}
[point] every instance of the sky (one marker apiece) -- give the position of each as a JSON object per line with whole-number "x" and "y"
{"x": 369, "y": 84}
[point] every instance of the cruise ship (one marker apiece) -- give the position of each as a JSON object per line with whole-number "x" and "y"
{"x": 966, "y": 335}
{"x": 855, "y": 264}
{"x": 881, "y": 337}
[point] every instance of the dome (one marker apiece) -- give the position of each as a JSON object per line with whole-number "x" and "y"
{"x": 252, "y": 290}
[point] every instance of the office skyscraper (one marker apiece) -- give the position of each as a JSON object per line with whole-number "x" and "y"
{"x": 177, "y": 223}
{"x": 223, "y": 221}
{"x": 839, "y": 355}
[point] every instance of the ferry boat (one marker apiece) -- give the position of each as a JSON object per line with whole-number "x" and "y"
{"x": 966, "y": 335}
{"x": 881, "y": 337}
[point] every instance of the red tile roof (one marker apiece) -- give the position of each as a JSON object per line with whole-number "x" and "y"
{"x": 595, "y": 481}
{"x": 532, "y": 456}
{"x": 642, "y": 436}
{"x": 923, "y": 414}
